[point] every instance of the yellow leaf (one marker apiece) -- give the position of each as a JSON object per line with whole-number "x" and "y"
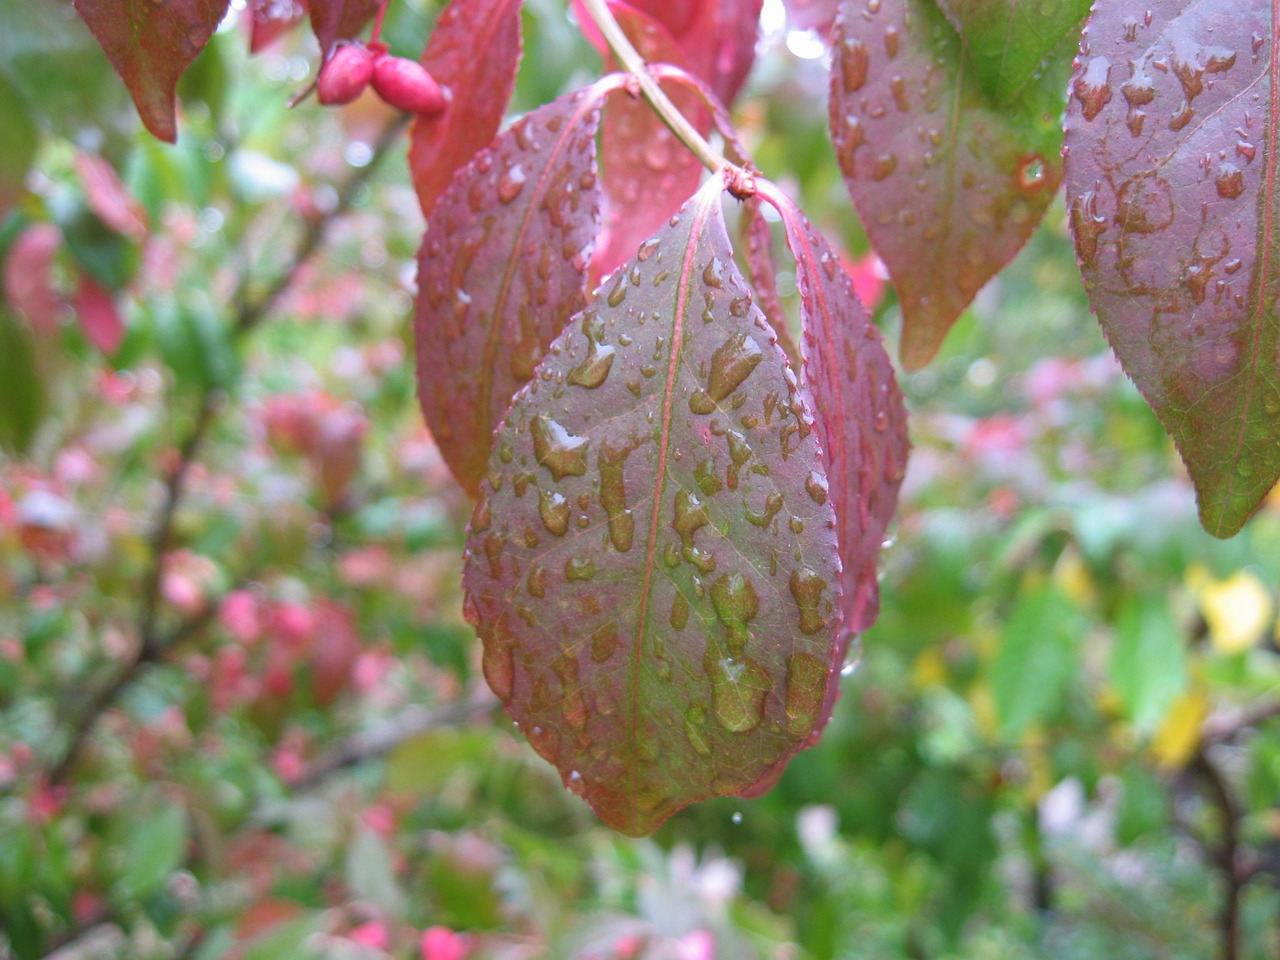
{"x": 929, "y": 669}
{"x": 983, "y": 705}
{"x": 1237, "y": 610}
{"x": 1179, "y": 735}
{"x": 1071, "y": 577}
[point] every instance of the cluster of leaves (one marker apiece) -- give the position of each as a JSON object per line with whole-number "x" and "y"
{"x": 1069, "y": 675}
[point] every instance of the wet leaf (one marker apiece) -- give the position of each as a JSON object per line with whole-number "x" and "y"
{"x": 271, "y": 19}
{"x": 811, "y": 14}
{"x": 501, "y": 268}
{"x": 1171, "y": 172}
{"x": 647, "y": 171}
{"x": 648, "y": 568}
{"x": 762, "y": 271}
{"x": 334, "y": 20}
{"x": 474, "y": 51}
{"x": 109, "y": 198}
{"x": 150, "y": 46}
{"x": 948, "y": 183}
{"x": 1007, "y": 40}
{"x": 861, "y": 415}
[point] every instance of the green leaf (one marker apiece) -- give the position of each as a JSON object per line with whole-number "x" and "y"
{"x": 1036, "y": 659}
{"x": 196, "y": 345}
{"x": 948, "y": 182}
{"x": 370, "y": 873}
{"x": 22, "y": 393}
{"x": 154, "y": 846}
{"x": 652, "y": 564}
{"x": 1171, "y": 173}
{"x": 1148, "y": 662}
{"x": 103, "y": 254}
{"x": 1007, "y": 40}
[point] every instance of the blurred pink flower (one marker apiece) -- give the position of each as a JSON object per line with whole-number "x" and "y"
{"x": 369, "y": 670}
{"x": 372, "y": 934}
{"x": 869, "y": 275}
{"x": 441, "y": 943}
{"x": 239, "y": 616}
{"x": 697, "y": 945}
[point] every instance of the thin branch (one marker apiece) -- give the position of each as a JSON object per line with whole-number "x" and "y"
{"x": 408, "y": 724}
{"x": 631, "y": 61}
{"x": 1225, "y": 727}
{"x": 1228, "y": 856}
{"x": 250, "y": 313}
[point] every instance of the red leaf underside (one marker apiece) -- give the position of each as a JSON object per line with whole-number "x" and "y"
{"x": 334, "y": 20}
{"x": 948, "y": 185}
{"x": 501, "y": 269}
{"x": 647, "y": 171}
{"x": 474, "y": 52}
{"x": 647, "y": 567}
{"x": 150, "y": 46}
{"x": 1172, "y": 191}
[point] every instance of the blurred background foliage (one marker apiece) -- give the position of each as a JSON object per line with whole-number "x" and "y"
{"x": 1059, "y": 740}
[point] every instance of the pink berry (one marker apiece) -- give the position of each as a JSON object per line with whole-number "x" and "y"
{"x": 407, "y": 85}
{"x": 345, "y": 76}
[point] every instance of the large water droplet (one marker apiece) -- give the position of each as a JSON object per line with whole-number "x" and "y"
{"x": 511, "y": 183}
{"x": 736, "y": 604}
{"x": 731, "y": 364}
{"x": 594, "y": 370}
{"x": 604, "y": 642}
{"x": 579, "y": 569}
{"x": 738, "y": 690}
{"x": 807, "y": 588}
{"x": 806, "y": 691}
{"x": 557, "y": 449}
{"x": 554, "y": 511}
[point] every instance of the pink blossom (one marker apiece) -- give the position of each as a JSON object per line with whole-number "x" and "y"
{"x": 868, "y": 274}
{"x": 239, "y": 616}
{"x": 369, "y": 670}
{"x": 441, "y": 943}
{"x": 287, "y": 763}
{"x": 697, "y": 945}
{"x": 294, "y": 625}
{"x": 372, "y": 934}
{"x": 381, "y": 819}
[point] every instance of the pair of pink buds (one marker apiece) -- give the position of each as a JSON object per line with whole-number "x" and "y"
{"x": 402, "y": 83}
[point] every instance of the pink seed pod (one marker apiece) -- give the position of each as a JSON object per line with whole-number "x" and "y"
{"x": 407, "y": 85}
{"x": 345, "y": 76}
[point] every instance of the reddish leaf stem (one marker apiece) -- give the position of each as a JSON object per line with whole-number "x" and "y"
{"x": 377, "y": 23}
{"x": 631, "y": 61}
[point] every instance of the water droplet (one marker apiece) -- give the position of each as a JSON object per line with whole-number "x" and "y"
{"x": 885, "y": 164}
{"x": 731, "y": 364}
{"x": 511, "y": 183}
{"x": 679, "y": 612}
{"x": 713, "y": 273}
{"x": 579, "y": 569}
{"x": 891, "y": 41}
{"x": 695, "y": 719}
{"x": 898, "y": 90}
{"x": 594, "y": 370}
{"x": 613, "y": 493}
{"x": 557, "y": 449}
{"x": 554, "y": 510}
{"x": 537, "y": 582}
{"x": 1230, "y": 181}
{"x": 738, "y": 690}
{"x": 854, "y": 61}
{"x": 736, "y": 604}
{"x": 807, "y": 588}
{"x": 1031, "y": 175}
{"x": 647, "y": 250}
{"x": 1092, "y": 88}
{"x": 1144, "y": 204}
{"x": 604, "y": 642}
{"x": 806, "y": 691}
{"x": 707, "y": 479}
{"x": 737, "y": 817}
{"x": 690, "y": 517}
{"x": 816, "y": 486}
{"x": 772, "y": 504}
{"x": 499, "y": 666}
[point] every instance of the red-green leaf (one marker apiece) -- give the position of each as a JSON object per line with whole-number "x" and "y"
{"x": 1171, "y": 186}
{"x": 99, "y": 319}
{"x": 1008, "y": 40}
{"x": 150, "y": 46}
{"x": 948, "y": 184}
{"x": 474, "y": 51}
{"x": 655, "y": 582}
{"x": 502, "y": 267}
{"x": 334, "y": 20}
{"x": 861, "y": 416}
{"x": 647, "y": 171}
{"x": 271, "y": 19}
